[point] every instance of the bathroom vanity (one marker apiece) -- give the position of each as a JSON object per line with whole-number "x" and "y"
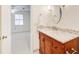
{"x": 61, "y": 35}
{"x": 57, "y": 42}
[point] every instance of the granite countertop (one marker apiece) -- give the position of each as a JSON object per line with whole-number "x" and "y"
{"x": 58, "y": 35}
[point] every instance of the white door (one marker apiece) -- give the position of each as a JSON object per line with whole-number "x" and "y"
{"x": 5, "y": 29}
{"x": 20, "y": 29}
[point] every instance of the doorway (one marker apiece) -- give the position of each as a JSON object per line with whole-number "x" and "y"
{"x": 20, "y": 29}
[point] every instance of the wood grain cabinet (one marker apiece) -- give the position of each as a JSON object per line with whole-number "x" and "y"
{"x": 58, "y": 48}
{"x": 72, "y": 46}
{"x": 42, "y": 42}
{"x": 49, "y": 45}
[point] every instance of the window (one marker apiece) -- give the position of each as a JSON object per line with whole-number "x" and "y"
{"x": 19, "y": 19}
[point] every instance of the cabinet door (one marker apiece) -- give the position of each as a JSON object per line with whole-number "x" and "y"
{"x": 48, "y": 45}
{"x": 72, "y": 46}
{"x": 58, "y": 48}
{"x": 77, "y": 45}
{"x": 42, "y": 43}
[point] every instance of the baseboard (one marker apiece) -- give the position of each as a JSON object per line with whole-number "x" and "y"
{"x": 36, "y": 51}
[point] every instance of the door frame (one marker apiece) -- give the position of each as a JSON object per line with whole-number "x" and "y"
{"x": 5, "y": 28}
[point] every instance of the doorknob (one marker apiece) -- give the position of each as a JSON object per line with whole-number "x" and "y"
{"x": 3, "y": 37}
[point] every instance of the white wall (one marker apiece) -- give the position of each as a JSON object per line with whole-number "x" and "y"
{"x": 36, "y": 19}
{"x": 21, "y": 34}
{"x": 70, "y": 17}
{"x": 35, "y": 10}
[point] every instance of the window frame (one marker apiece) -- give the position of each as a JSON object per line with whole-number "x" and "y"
{"x": 19, "y": 19}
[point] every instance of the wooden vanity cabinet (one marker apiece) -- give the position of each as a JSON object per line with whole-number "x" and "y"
{"x": 50, "y": 45}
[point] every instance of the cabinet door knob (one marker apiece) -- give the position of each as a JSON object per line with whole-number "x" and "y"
{"x": 55, "y": 47}
{"x": 43, "y": 40}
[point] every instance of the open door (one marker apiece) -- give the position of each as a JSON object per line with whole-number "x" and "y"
{"x": 5, "y": 26}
